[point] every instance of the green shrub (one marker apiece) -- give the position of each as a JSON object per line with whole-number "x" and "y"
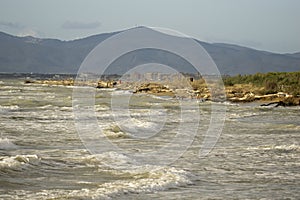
{"x": 272, "y": 82}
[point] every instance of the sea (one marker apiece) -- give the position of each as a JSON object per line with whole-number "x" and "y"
{"x": 44, "y": 155}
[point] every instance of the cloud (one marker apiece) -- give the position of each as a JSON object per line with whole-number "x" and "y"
{"x": 11, "y": 25}
{"x": 80, "y": 25}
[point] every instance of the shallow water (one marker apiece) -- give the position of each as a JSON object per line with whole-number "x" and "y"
{"x": 42, "y": 156}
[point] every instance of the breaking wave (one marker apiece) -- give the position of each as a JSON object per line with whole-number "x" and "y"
{"x": 18, "y": 161}
{"x": 135, "y": 178}
{"x": 278, "y": 148}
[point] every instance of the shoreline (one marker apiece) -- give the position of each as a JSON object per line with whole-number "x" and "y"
{"x": 241, "y": 93}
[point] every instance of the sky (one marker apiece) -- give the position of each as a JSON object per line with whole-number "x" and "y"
{"x": 270, "y": 25}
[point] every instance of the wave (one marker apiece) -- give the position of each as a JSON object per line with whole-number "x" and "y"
{"x": 9, "y": 108}
{"x": 143, "y": 128}
{"x": 279, "y": 148}
{"x": 18, "y": 161}
{"x": 121, "y": 92}
{"x": 101, "y": 108}
{"x": 146, "y": 179}
{"x": 6, "y": 144}
{"x": 55, "y": 108}
{"x": 115, "y": 132}
{"x": 121, "y": 113}
{"x": 135, "y": 178}
{"x": 165, "y": 98}
{"x": 107, "y": 89}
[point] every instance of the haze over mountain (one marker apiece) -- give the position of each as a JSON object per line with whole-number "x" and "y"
{"x": 29, "y": 54}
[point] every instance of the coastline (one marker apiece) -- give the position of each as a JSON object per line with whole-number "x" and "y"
{"x": 239, "y": 93}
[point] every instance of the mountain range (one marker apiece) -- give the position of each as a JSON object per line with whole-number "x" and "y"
{"x": 36, "y": 55}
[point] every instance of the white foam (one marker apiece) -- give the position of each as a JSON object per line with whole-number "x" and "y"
{"x": 288, "y": 148}
{"x": 165, "y": 98}
{"x": 107, "y": 89}
{"x": 122, "y": 92}
{"x": 142, "y": 128}
{"x": 140, "y": 178}
{"x": 135, "y": 179}
{"x": 66, "y": 108}
{"x": 101, "y": 108}
{"x": 8, "y": 108}
{"x": 115, "y": 132}
{"x": 112, "y": 135}
{"x": 46, "y": 106}
{"x": 17, "y": 161}
{"x": 146, "y": 179}
{"x": 114, "y": 160}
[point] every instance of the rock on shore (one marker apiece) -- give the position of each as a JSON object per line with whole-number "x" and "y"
{"x": 71, "y": 82}
{"x": 242, "y": 93}
{"x": 154, "y": 88}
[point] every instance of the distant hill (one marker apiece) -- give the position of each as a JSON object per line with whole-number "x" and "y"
{"x": 29, "y": 54}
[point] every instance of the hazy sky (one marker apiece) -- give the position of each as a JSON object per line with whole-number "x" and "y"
{"x": 272, "y": 25}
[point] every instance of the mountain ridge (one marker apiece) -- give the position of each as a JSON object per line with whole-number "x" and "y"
{"x": 29, "y": 54}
